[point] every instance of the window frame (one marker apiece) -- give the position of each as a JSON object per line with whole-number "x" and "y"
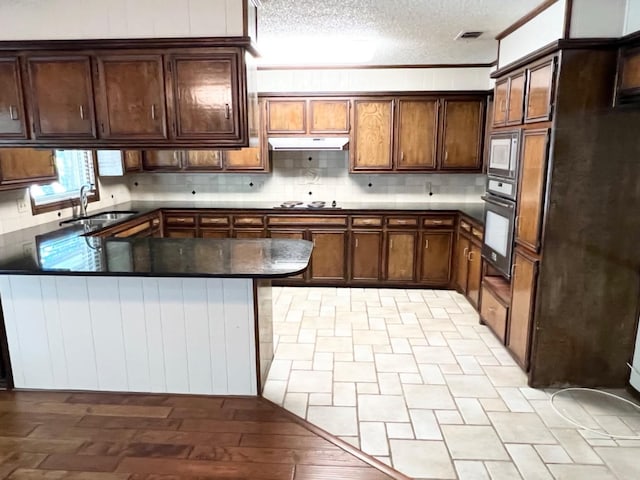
{"x": 71, "y": 202}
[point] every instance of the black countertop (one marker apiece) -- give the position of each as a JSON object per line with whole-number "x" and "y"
{"x": 51, "y": 249}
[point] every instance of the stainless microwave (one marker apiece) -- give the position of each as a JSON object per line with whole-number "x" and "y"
{"x": 503, "y": 155}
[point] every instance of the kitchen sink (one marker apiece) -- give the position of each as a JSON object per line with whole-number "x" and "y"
{"x": 100, "y": 218}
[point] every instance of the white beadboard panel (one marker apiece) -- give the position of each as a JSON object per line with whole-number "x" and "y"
{"x": 217, "y": 336}
{"x": 75, "y": 317}
{"x": 174, "y": 340}
{"x": 234, "y": 17}
{"x": 632, "y": 17}
{"x": 155, "y": 337}
{"x": 12, "y": 331}
{"x": 597, "y": 19}
{"x": 545, "y": 28}
{"x": 240, "y": 334}
{"x": 106, "y": 323}
{"x": 382, "y": 79}
{"x": 196, "y": 315}
{"x": 54, "y": 331}
{"x": 134, "y": 332}
{"x": 207, "y": 16}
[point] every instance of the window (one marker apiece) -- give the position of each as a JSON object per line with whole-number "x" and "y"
{"x": 75, "y": 169}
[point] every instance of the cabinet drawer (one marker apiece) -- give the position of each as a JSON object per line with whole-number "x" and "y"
{"x": 185, "y": 220}
{"x": 367, "y": 222}
{"x": 308, "y": 220}
{"x": 214, "y": 221}
{"x": 465, "y": 226}
{"x": 438, "y": 222}
{"x": 402, "y": 222}
{"x": 493, "y": 313}
{"x": 134, "y": 230}
{"x": 476, "y": 232}
{"x": 248, "y": 221}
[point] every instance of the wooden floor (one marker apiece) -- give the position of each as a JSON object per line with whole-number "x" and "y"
{"x": 55, "y": 435}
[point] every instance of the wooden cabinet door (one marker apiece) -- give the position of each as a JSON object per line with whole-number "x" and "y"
{"x": 365, "y": 255}
{"x": 533, "y": 167}
{"x": 435, "y": 266}
{"x": 462, "y": 135}
{"x": 131, "y": 97}
{"x": 401, "y": 255}
{"x": 417, "y": 134}
{"x": 61, "y": 97}
{"x": 204, "y": 160}
{"x": 329, "y": 116}
{"x": 475, "y": 275}
{"x": 500, "y": 98}
{"x": 516, "y": 99}
{"x": 214, "y": 233}
{"x": 372, "y": 135}
{"x": 286, "y": 116}
{"x": 249, "y": 158}
{"x": 26, "y": 165}
{"x": 328, "y": 258}
{"x": 540, "y": 92}
{"x": 132, "y": 160}
{"x": 249, "y": 233}
{"x": 180, "y": 233}
{"x": 462, "y": 264}
{"x": 205, "y": 97}
{"x": 523, "y": 288}
{"x": 12, "y": 118}
{"x": 162, "y": 160}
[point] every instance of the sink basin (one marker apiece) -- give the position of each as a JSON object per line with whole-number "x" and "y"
{"x": 100, "y": 218}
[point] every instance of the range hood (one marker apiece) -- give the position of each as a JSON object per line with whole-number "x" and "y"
{"x": 308, "y": 143}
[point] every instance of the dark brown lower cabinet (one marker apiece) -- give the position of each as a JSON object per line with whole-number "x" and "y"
{"x": 328, "y": 259}
{"x": 468, "y": 262}
{"x": 435, "y": 265}
{"x": 186, "y": 233}
{"x": 462, "y": 263}
{"x": 401, "y": 258}
{"x": 249, "y": 233}
{"x": 523, "y": 288}
{"x": 214, "y": 233}
{"x": 475, "y": 275}
{"x": 365, "y": 255}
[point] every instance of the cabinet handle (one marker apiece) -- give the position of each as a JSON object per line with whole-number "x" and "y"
{"x": 227, "y": 111}
{"x": 513, "y": 269}
{"x": 471, "y": 256}
{"x": 391, "y": 243}
{"x": 402, "y": 156}
{"x": 426, "y": 243}
{"x": 446, "y": 155}
{"x": 13, "y": 113}
{"x": 81, "y": 112}
{"x": 356, "y": 243}
{"x": 153, "y": 111}
{"x": 464, "y": 253}
{"x": 516, "y": 223}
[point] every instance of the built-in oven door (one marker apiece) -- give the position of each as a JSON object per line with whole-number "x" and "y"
{"x": 503, "y": 154}
{"x": 499, "y": 219}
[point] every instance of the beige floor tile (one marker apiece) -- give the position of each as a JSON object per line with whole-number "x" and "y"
{"x": 354, "y": 372}
{"x": 303, "y": 381}
{"x": 425, "y": 425}
{"x": 472, "y": 411}
{"x": 499, "y": 351}
{"x": 377, "y": 323}
{"x": 323, "y": 361}
{"x": 389, "y": 383}
{"x": 436, "y": 339}
{"x": 294, "y": 351}
{"x": 506, "y": 376}
{"x": 364, "y": 388}
{"x": 340, "y": 421}
{"x": 434, "y": 355}
{"x": 381, "y": 348}
{"x": 512, "y": 397}
{"x": 297, "y": 403}
{"x": 529, "y": 463}
{"x": 373, "y": 438}
{"x": 400, "y": 345}
{"x": 494, "y": 405}
{"x": 469, "y": 365}
{"x": 399, "y": 430}
{"x": 343, "y": 330}
{"x": 363, "y": 353}
{"x": 382, "y": 408}
{"x": 521, "y": 428}
{"x": 470, "y": 442}
{"x": 418, "y": 342}
{"x": 320, "y": 399}
{"x": 468, "y": 332}
{"x": 317, "y": 323}
{"x": 288, "y": 339}
{"x": 472, "y": 386}
{"x": 307, "y": 335}
{"x": 405, "y": 331}
{"x": 334, "y": 344}
{"x": 452, "y": 335}
{"x": 502, "y": 471}
{"x": 411, "y": 378}
{"x": 398, "y": 363}
{"x": 487, "y": 360}
{"x": 275, "y": 390}
{"x": 439, "y": 312}
{"x": 422, "y": 459}
{"x": 438, "y": 325}
{"x": 552, "y": 454}
{"x": 302, "y": 365}
{"x": 433, "y": 397}
{"x": 576, "y": 446}
{"x": 431, "y": 374}
{"x": 614, "y": 425}
{"x": 449, "y": 369}
{"x": 598, "y": 404}
{"x": 533, "y": 393}
{"x": 355, "y": 441}
{"x": 573, "y": 472}
{"x": 409, "y": 318}
{"x": 370, "y": 337}
{"x": 624, "y": 462}
{"x": 385, "y": 460}
{"x": 468, "y": 347}
{"x": 280, "y": 369}
{"x": 343, "y": 357}
{"x": 448, "y": 417}
{"x": 471, "y": 470}
{"x": 283, "y": 328}
{"x": 344, "y": 394}
{"x": 325, "y": 332}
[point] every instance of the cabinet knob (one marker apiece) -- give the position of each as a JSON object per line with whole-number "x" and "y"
{"x": 356, "y": 243}
{"x": 426, "y": 243}
{"x": 464, "y": 253}
{"x": 81, "y": 112}
{"x": 471, "y": 256}
{"x": 153, "y": 111}
{"x": 13, "y": 114}
{"x": 227, "y": 111}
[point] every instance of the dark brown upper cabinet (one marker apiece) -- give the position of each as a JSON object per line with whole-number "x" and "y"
{"x": 540, "y": 89}
{"x": 205, "y": 96}
{"x": 508, "y": 104}
{"x": 372, "y": 139}
{"x": 131, "y": 97}
{"x": 417, "y": 137}
{"x": 12, "y": 117}
{"x": 61, "y": 97}
{"x": 462, "y": 122}
{"x": 500, "y": 101}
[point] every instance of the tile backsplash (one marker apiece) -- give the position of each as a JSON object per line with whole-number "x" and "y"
{"x": 306, "y": 176}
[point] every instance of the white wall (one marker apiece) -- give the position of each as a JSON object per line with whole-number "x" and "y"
{"x": 632, "y": 17}
{"x": 294, "y": 176}
{"x": 192, "y": 335}
{"x": 74, "y": 19}
{"x": 371, "y": 80}
{"x": 597, "y": 18}
{"x": 545, "y": 28}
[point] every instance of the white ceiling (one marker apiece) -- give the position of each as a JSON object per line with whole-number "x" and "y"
{"x": 401, "y": 32}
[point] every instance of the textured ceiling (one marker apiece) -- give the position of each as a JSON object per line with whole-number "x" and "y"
{"x": 401, "y": 32}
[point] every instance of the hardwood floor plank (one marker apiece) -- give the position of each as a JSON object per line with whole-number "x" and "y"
{"x": 80, "y": 463}
{"x": 189, "y": 438}
{"x": 206, "y": 470}
{"x": 246, "y": 404}
{"x": 11, "y": 461}
{"x": 34, "y": 396}
{"x": 187, "y": 401}
{"x": 17, "y": 430}
{"x": 101, "y": 398}
{"x": 274, "y": 428}
{"x": 28, "y": 474}
{"x": 99, "y": 421}
{"x": 311, "y": 472}
{"x": 212, "y": 414}
{"x": 105, "y": 435}
{"x": 26, "y": 418}
{"x": 284, "y": 441}
{"x": 34, "y": 445}
{"x": 260, "y": 416}
{"x": 136, "y": 449}
{"x": 85, "y": 409}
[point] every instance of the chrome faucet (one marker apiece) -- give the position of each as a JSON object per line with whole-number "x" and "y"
{"x": 84, "y": 200}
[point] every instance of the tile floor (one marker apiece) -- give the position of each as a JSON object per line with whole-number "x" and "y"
{"x": 412, "y": 378}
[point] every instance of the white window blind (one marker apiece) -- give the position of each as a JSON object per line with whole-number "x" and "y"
{"x": 75, "y": 169}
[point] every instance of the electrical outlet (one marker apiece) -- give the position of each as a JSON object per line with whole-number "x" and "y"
{"x": 27, "y": 249}
{"x": 22, "y": 205}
